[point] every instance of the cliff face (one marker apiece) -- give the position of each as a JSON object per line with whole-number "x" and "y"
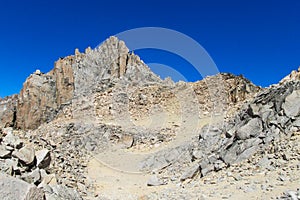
{"x": 37, "y": 101}
{"x": 43, "y": 94}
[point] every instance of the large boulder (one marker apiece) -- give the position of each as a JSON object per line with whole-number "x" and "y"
{"x": 15, "y": 189}
{"x": 291, "y": 106}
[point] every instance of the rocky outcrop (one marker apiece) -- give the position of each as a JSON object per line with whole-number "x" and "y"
{"x": 223, "y": 92}
{"x": 37, "y": 101}
{"x": 8, "y": 111}
{"x": 44, "y": 95}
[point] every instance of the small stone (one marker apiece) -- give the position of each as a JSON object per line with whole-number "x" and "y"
{"x": 9, "y": 148}
{"x": 155, "y": 181}
{"x": 198, "y": 154}
{"x": 4, "y": 153}
{"x": 190, "y": 173}
{"x": 33, "y": 177}
{"x": 37, "y": 72}
{"x": 285, "y": 157}
{"x": 237, "y": 177}
{"x": 282, "y": 178}
{"x": 49, "y": 179}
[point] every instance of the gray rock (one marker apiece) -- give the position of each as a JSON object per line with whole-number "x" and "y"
{"x": 198, "y": 154}
{"x": 292, "y": 195}
{"x": 290, "y": 106}
{"x": 206, "y": 167}
{"x": 43, "y": 158}
{"x": 12, "y": 140}
{"x": 155, "y": 181}
{"x": 32, "y": 177}
{"x": 264, "y": 162}
{"x": 4, "y": 153}
{"x": 190, "y": 172}
{"x": 61, "y": 192}
{"x": 15, "y": 189}
{"x": 297, "y": 122}
{"x": 254, "y": 109}
{"x": 25, "y": 155}
{"x": 252, "y": 129}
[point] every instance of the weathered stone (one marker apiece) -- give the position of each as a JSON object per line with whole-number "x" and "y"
{"x": 190, "y": 172}
{"x": 4, "y": 153}
{"x": 25, "y": 155}
{"x": 43, "y": 158}
{"x": 32, "y": 177}
{"x": 206, "y": 167}
{"x": 297, "y": 123}
{"x": 47, "y": 179}
{"x": 12, "y": 140}
{"x": 290, "y": 106}
{"x": 252, "y": 129}
{"x": 155, "y": 181}
{"x": 63, "y": 192}
{"x": 15, "y": 189}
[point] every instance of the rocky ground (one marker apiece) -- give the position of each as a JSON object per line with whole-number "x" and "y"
{"x": 101, "y": 125}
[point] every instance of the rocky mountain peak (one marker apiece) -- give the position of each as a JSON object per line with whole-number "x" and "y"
{"x": 44, "y": 94}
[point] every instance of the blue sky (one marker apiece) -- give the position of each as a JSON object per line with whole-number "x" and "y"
{"x": 259, "y": 39}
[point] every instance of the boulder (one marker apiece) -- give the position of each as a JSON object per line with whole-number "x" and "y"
{"x": 25, "y": 155}
{"x": 291, "y": 106}
{"x": 252, "y": 129}
{"x": 43, "y": 158}
{"x": 190, "y": 172}
{"x": 15, "y": 189}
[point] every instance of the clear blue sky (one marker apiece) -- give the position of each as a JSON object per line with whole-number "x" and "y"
{"x": 260, "y": 39}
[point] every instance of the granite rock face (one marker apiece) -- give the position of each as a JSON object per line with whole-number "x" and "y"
{"x": 37, "y": 101}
